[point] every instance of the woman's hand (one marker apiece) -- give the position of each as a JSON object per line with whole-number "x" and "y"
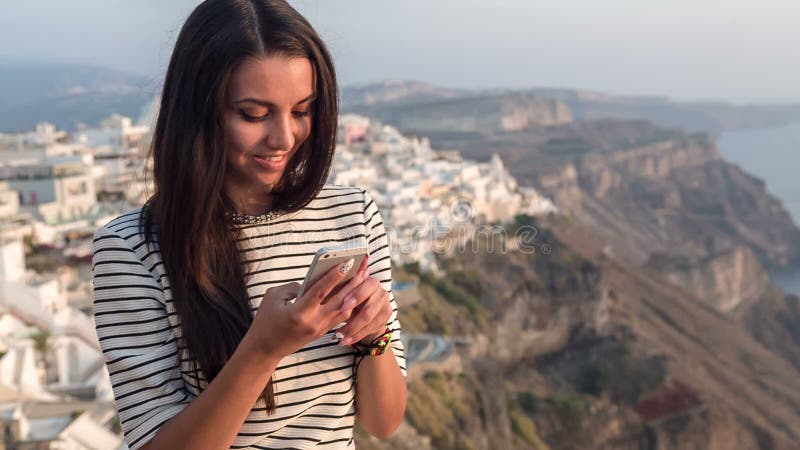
{"x": 280, "y": 328}
{"x": 370, "y": 310}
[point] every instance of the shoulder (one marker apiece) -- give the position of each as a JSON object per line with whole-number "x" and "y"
{"x": 124, "y": 220}
{"x": 126, "y": 226}
{"x": 336, "y": 195}
{"x": 329, "y": 189}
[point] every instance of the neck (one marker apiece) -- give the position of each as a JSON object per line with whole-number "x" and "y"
{"x": 252, "y": 206}
{"x": 251, "y": 202}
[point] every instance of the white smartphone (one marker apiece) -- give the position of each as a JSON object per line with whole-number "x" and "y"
{"x": 328, "y": 257}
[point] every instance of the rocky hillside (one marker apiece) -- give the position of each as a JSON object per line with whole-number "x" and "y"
{"x": 579, "y": 350}
{"x": 396, "y": 92}
{"x": 660, "y": 198}
{"x": 652, "y": 325}
{"x": 712, "y": 117}
{"x": 483, "y": 113}
{"x": 665, "y": 201}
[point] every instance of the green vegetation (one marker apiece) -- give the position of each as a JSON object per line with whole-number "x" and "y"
{"x": 634, "y": 377}
{"x": 41, "y": 338}
{"x": 593, "y": 380}
{"x": 452, "y": 293}
{"x": 529, "y": 402}
{"x": 446, "y": 308}
{"x": 569, "y": 409}
{"x": 27, "y": 243}
{"x": 411, "y": 268}
{"x": 520, "y": 220}
{"x": 441, "y": 403}
{"x": 41, "y": 263}
{"x": 469, "y": 281}
{"x": 524, "y": 429}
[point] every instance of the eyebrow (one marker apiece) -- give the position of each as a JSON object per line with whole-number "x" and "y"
{"x": 272, "y": 105}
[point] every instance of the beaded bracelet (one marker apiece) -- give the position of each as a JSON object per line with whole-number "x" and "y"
{"x": 377, "y": 347}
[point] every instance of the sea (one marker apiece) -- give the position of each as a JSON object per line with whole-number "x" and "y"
{"x": 773, "y": 155}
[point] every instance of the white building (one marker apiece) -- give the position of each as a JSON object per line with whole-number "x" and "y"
{"x": 38, "y": 325}
{"x": 425, "y": 196}
{"x": 57, "y": 191}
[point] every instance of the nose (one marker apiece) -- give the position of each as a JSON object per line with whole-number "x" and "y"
{"x": 280, "y": 135}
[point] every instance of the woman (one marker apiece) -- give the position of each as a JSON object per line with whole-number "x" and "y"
{"x": 191, "y": 291}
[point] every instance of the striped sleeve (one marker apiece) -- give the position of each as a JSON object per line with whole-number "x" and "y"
{"x": 138, "y": 342}
{"x": 380, "y": 266}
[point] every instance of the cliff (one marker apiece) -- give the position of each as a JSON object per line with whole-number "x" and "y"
{"x": 485, "y": 113}
{"x": 728, "y": 280}
{"x": 652, "y": 325}
{"x": 581, "y": 350}
{"x": 666, "y": 202}
{"x": 662, "y": 199}
{"x": 674, "y": 196}
{"x": 710, "y": 117}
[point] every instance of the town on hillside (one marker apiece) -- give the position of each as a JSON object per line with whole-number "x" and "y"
{"x": 56, "y": 188}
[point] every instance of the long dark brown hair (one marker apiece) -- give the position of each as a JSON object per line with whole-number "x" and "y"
{"x": 187, "y": 209}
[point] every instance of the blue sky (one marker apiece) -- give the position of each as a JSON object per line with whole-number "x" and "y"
{"x": 687, "y": 49}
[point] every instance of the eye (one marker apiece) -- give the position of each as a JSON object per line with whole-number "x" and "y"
{"x": 301, "y": 114}
{"x": 251, "y": 118}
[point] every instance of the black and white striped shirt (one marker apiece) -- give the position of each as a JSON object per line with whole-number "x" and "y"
{"x": 136, "y": 325}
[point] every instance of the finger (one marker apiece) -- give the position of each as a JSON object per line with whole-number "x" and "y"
{"x": 338, "y": 319}
{"x": 377, "y": 326}
{"x": 286, "y": 291}
{"x": 341, "y": 292}
{"x": 335, "y": 300}
{"x": 364, "y": 321}
{"x": 360, "y": 269}
{"x": 320, "y": 289}
{"x": 363, "y": 265}
{"x": 357, "y": 295}
{"x": 349, "y": 293}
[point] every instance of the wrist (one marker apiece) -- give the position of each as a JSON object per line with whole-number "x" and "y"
{"x": 371, "y": 337}
{"x": 254, "y": 351}
{"x": 375, "y": 342}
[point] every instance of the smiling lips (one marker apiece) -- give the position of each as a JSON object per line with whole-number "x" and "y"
{"x": 271, "y": 162}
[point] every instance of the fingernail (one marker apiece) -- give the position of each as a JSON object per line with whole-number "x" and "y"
{"x": 347, "y": 265}
{"x": 345, "y": 342}
{"x": 349, "y": 303}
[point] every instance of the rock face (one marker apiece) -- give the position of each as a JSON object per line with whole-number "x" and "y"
{"x": 652, "y": 325}
{"x": 584, "y": 351}
{"x": 663, "y": 194}
{"x": 661, "y": 199}
{"x": 486, "y": 114}
{"x": 396, "y": 92}
{"x": 727, "y": 280}
{"x": 588, "y": 106}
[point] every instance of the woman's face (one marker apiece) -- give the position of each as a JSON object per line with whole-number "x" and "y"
{"x": 267, "y": 118}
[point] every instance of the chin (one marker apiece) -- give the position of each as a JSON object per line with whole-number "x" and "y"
{"x": 269, "y": 182}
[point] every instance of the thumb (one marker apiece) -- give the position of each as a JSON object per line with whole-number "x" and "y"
{"x": 286, "y": 291}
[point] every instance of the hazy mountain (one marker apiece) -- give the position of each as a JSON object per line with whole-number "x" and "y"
{"x": 396, "y": 92}
{"x": 387, "y": 100}
{"x": 73, "y": 94}
{"x": 68, "y": 95}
